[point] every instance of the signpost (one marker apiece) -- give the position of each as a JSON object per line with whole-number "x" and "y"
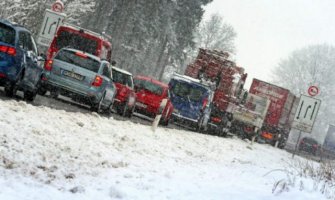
{"x": 306, "y": 113}
{"x": 52, "y": 20}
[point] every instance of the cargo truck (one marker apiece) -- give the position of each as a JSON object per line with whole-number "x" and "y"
{"x": 279, "y": 117}
{"x": 227, "y": 79}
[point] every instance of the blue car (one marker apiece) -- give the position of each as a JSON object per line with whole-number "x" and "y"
{"x": 19, "y": 61}
{"x": 191, "y": 100}
{"x": 83, "y": 77}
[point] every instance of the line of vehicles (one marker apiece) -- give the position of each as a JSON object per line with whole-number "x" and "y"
{"x": 209, "y": 97}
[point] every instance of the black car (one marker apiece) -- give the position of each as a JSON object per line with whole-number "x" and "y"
{"x": 309, "y": 145}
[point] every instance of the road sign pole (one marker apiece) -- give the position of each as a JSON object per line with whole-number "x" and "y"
{"x": 296, "y": 145}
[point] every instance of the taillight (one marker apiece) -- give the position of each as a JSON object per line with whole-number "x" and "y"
{"x": 9, "y": 50}
{"x": 204, "y": 103}
{"x": 97, "y": 81}
{"x": 216, "y": 119}
{"x": 123, "y": 91}
{"x": 48, "y": 65}
{"x": 2, "y": 75}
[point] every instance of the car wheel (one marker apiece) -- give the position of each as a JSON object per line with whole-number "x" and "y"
{"x": 54, "y": 94}
{"x": 164, "y": 121}
{"x": 29, "y": 96}
{"x": 41, "y": 91}
{"x": 125, "y": 111}
{"x": 10, "y": 89}
{"x": 199, "y": 128}
{"x": 98, "y": 107}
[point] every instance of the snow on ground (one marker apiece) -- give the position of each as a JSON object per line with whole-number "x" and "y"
{"x": 56, "y": 154}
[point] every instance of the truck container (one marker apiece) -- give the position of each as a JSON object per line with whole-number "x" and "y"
{"x": 278, "y": 121}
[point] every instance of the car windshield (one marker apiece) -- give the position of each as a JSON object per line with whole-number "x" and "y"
{"x": 193, "y": 92}
{"x": 149, "y": 86}
{"x": 7, "y": 34}
{"x": 76, "y": 41}
{"x": 81, "y": 61}
{"x": 122, "y": 78}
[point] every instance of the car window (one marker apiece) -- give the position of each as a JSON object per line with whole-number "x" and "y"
{"x": 34, "y": 47}
{"x": 7, "y": 34}
{"x": 79, "y": 60}
{"x": 22, "y": 41}
{"x": 122, "y": 78}
{"x": 76, "y": 41}
{"x": 106, "y": 70}
{"x": 194, "y": 93}
{"x": 149, "y": 86}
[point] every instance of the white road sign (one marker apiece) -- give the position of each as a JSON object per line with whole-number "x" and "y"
{"x": 52, "y": 20}
{"x": 306, "y": 113}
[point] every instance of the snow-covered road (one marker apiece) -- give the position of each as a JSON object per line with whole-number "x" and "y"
{"x": 51, "y": 152}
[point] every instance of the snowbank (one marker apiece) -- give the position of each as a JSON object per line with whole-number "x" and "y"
{"x": 55, "y": 154}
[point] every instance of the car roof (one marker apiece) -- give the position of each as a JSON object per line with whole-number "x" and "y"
{"x": 189, "y": 80}
{"x": 122, "y": 71}
{"x": 15, "y": 26}
{"x": 147, "y": 78}
{"x": 88, "y": 54}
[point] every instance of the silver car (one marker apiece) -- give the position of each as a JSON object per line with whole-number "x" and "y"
{"x": 81, "y": 76}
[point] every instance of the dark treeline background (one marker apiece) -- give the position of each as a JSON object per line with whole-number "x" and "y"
{"x": 148, "y": 36}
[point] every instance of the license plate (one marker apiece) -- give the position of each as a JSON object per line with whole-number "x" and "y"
{"x": 141, "y": 105}
{"x": 73, "y": 75}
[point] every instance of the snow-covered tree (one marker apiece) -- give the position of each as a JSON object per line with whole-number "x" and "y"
{"x": 214, "y": 33}
{"x": 312, "y": 65}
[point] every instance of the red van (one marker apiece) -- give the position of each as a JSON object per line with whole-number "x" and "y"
{"x": 78, "y": 38}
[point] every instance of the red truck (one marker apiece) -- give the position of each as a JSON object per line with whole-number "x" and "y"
{"x": 227, "y": 79}
{"x": 280, "y": 114}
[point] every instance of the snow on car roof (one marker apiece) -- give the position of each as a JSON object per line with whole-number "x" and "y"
{"x": 189, "y": 79}
{"x": 122, "y": 71}
{"x": 157, "y": 82}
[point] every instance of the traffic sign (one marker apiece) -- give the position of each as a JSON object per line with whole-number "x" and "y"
{"x": 313, "y": 90}
{"x": 52, "y": 20}
{"x": 306, "y": 113}
{"x": 58, "y": 6}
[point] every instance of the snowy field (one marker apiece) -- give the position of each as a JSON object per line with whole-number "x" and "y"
{"x": 50, "y": 153}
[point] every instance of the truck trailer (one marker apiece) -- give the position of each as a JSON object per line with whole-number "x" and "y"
{"x": 279, "y": 117}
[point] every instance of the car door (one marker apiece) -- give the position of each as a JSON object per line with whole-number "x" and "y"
{"x": 109, "y": 87}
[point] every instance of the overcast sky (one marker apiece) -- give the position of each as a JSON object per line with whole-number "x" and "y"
{"x": 269, "y": 30}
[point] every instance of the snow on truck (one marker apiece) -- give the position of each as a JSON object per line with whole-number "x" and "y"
{"x": 215, "y": 67}
{"x": 279, "y": 117}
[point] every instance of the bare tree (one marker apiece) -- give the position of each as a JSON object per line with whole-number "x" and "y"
{"x": 312, "y": 65}
{"x": 214, "y": 33}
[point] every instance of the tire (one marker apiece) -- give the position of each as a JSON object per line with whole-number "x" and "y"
{"x": 164, "y": 122}
{"x": 199, "y": 128}
{"x": 98, "y": 107}
{"x": 10, "y": 89}
{"x": 41, "y": 91}
{"x": 54, "y": 94}
{"x": 29, "y": 96}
